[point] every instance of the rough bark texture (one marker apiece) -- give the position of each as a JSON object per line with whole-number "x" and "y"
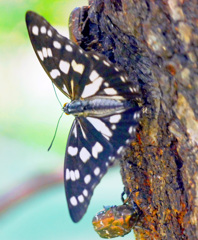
{"x": 156, "y": 42}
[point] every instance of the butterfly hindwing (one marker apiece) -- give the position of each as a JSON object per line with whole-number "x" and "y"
{"x": 114, "y": 81}
{"x": 86, "y": 162}
{"x": 118, "y": 129}
{"x": 92, "y": 146}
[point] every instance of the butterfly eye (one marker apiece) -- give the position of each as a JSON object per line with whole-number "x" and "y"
{"x": 103, "y": 102}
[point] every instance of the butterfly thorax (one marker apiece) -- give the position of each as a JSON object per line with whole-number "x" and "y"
{"x": 96, "y": 107}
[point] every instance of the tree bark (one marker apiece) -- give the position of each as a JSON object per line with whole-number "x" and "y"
{"x": 156, "y": 42}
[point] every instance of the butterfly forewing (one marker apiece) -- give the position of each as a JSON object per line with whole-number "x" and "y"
{"x": 63, "y": 61}
{"x": 78, "y": 74}
{"x": 95, "y": 140}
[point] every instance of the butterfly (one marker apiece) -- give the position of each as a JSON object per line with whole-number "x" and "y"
{"x": 103, "y": 102}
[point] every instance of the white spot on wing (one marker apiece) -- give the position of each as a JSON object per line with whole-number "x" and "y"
{"x": 54, "y": 73}
{"x": 93, "y": 76}
{"x": 65, "y": 89}
{"x": 77, "y": 67}
{"x": 64, "y": 66}
{"x": 72, "y": 151}
{"x": 44, "y": 50}
{"x": 43, "y": 30}
{"x": 49, "y": 33}
{"x": 128, "y": 141}
{"x": 111, "y": 158}
{"x": 35, "y": 30}
{"x": 72, "y": 175}
{"x": 68, "y": 48}
{"x": 87, "y": 178}
{"x": 113, "y": 127}
{"x": 132, "y": 130}
{"x": 106, "y": 63}
{"x": 56, "y": 44}
{"x": 83, "y": 132}
{"x": 100, "y": 126}
{"x": 73, "y": 201}
{"x": 123, "y": 79}
{"x": 110, "y": 91}
{"x": 97, "y": 148}
{"x": 75, "y": 132}
{"x": 96, "y": 57}
{"x": 40, "y": 55}
{"x": 115, "y": 118}
{"x": 77, "y": 174}
{"x": 131, "y": 89}
{"x": 49, "y": 52}
{"x": 92, "y": 88}
{"x": 135, "y": 89}
{"x": 97, "y": 171}
{"x": 60, "y": 36}
{"x": 67, "y": 174}
{"x": 84, "y": 155}
{"x": 136, "y": 115}
{"x": 81, "y": 199}
{"x": 120, "y": 150}
{"x": 85, "y": 192}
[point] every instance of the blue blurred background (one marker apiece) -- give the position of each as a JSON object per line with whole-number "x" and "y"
{"x": 32, "y": 198}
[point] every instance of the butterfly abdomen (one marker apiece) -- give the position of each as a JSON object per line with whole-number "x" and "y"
{"x": 96, "y": 107}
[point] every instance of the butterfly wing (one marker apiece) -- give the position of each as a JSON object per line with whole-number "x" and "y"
{"x": 86, "y": 161}
{"x": 78, "y": 74}
{"x": 107, "y": 80}
{"x": 63, "y": 61}
{"x": 92, "y": 146}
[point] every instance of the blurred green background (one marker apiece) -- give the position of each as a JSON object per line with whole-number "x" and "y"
{"x": 29, "y": 112}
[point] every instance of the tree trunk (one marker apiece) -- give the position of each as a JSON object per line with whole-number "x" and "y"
{"x": 156, "y": 42}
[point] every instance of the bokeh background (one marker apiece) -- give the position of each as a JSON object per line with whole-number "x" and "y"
{"x": 32, "y": 198}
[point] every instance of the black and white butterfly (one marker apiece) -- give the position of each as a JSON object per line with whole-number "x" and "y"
{"x": 102, "y": 101}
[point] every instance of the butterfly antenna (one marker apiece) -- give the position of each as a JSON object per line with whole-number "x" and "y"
{"x": 55, "y": 132}
{"x": 57, "y": 96}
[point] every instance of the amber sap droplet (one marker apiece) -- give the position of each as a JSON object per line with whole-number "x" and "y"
{"x": 115, "y": 221}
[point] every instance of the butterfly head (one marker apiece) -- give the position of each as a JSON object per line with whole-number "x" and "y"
{"x": 75, "y": 107}
{"x": 65, "y": 108}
